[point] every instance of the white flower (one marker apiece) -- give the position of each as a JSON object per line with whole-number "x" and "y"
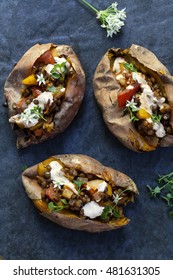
{"x": 131, "y": 104}
{"x": 40, "y": 79}
{"x": 111, "y": 19}
{"x": 114, "y": 6}
{"x": 116, "y": 198}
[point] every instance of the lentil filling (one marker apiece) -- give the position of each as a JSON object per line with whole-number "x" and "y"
{"x": 89, "y": 196}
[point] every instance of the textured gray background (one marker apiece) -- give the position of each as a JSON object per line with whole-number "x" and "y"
{"x": 24, "y": 234}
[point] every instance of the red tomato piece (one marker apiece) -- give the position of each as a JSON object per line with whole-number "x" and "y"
{"x": 127, "y": 94}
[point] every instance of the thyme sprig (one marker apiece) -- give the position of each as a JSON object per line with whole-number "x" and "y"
{"x": 59, "y": 71}
{"x": 132, "y": 108}
{"x": 57, "y": 208}
{"x": 130, "y": 67}
{"x": 37, "y": 111}
{"x": 110, "y": 211}
{"x": 118, "y": 196}
{"x": 79, "y": 184}
{"x": 164, "y": 190}
{"x": 156, "y": 118}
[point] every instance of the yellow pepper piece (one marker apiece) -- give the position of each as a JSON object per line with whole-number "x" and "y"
{"x": 109, "y": 191}
{"x": 48, "y": 126}
{"x": 30, "y": 80}
{"x": 42, "y": 166}
{"x": 41, "y": 169}
{"x": 41, "y": 205}
{"x": 162, "y": 72}
{"x": 142, "y": 114}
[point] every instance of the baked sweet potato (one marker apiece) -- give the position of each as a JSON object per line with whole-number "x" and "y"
{"x": 44, "y": 92}
{"x": 135, "y": 93}
{"x": 78, "y": 192}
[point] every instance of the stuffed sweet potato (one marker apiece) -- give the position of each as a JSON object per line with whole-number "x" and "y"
{"x": 135, "y": 93}
{"x": 78, "y": 192}
{"x": 44, "y": 92}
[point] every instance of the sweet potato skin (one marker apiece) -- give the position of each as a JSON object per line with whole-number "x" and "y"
{"x": 106, "y": 90}
{"x": 74, "y": 92}
{"x": 64, "y": 218}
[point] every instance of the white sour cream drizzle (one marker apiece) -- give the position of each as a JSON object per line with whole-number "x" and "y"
{"x": 58, "y": 178}
{"x": 29, "y": 118}
{"x": 117, "y": 64}
{"x": 147, "y": 98}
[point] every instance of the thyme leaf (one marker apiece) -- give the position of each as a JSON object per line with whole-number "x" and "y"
{"x": 79, "y": 184}
{"x": 54, "y": 207}
{"x": 59, "y": 71}
{"x": 37, "y": 111}
{"x": 156, "y": 118}
{"x": 132, "y": 109}
{"x": 130, "y": 67}
{"x": 110, "y": 211}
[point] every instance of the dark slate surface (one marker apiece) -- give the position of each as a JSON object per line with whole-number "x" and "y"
{"x": 24, "y": 234}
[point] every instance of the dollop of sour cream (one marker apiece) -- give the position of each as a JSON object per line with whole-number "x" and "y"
{"x": 159, "y": 130}
{"x": 92, "y": 210}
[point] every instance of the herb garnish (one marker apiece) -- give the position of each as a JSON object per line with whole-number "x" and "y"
{"x": 57, "y": 208}
{"x": 111, "y": 18}
{"x": 79, "y": 184}
{"x": 59, "y": 71}
{"x": 131, "y": 107}
{"x": 130, "y": 67}
{"x": 40, "y": 79}
{"x": 52, "y": 89}
{"x": 117, "y": 197}
{"x": 57, "y": 89}
{"x": 110, "y": 211}
{"x": 37, "y": 111}
{"x": 164, "y": 190}
{"x": 156, "y": 118}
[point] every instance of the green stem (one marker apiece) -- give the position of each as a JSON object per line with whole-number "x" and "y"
{"x": 41, "y": 116}
{"x": 90, "y": 6}
{"x": 163, "y": 177}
